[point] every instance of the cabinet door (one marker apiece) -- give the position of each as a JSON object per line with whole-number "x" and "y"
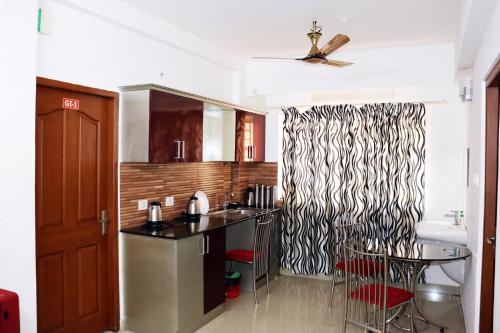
{"x": 214, "y": 268}
{"x": 189, "y": 282}
{"x": 175, "y": 128}
{"x": 259, "y": 138}
{"x": 250, "y": 137}
{"x": 219, "y": 130}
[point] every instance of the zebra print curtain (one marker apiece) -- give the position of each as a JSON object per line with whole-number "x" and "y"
{"x": 365, "y": 163}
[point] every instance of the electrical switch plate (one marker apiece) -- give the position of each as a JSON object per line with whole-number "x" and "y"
{"x": 142, "y": 204}
{"x": 169, "y": 201}
{"x": 43, "y": 21}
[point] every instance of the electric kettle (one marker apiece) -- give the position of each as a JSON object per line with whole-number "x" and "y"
{"x": 193, "y": 209}
{"x": 155, "y": 212}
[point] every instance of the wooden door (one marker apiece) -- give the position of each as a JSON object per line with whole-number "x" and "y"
{"x": 77, "y": 280}
{"x": 175, "y": 128}
{"x": 214, "y": 269}
{"x": 490, "y": 201}
{"x": 250, "y": 137}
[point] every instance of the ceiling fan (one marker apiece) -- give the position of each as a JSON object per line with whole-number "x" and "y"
{"x": 318, "y": 56}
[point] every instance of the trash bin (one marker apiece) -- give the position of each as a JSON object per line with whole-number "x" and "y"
{"x": 232, "y": 281}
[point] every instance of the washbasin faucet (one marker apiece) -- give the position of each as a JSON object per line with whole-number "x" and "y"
{"x": 225, "y": 204}
{"x": 455, "y": 215}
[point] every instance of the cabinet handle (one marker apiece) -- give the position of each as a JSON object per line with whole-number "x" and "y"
{"x": 248, "y": 152}
{"x": 183, "y": 150}
{"x": 201, "y": 251}
{"x": 208, "y": 245}
{"x": 178, "y": 146}
{"x": 254, "y": 151}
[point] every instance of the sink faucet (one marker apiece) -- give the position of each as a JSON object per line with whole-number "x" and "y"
{"x": 225, "y": 204}
{"x": 454, "y": 214}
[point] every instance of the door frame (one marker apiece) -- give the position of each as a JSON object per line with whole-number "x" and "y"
{"x": 113, "y": 296}
{"x": 491, "y": 187}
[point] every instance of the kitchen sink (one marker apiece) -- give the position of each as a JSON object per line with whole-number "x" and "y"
{"x": 238, "y": 212}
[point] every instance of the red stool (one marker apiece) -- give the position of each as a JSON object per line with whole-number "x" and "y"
{"x": 9, "y": 312}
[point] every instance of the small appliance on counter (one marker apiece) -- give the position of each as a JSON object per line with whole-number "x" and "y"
{"x": 193, "y": 210}
{"x": 155, "y": 219}
{"x": 250, "y": 197}
{"x": 257, "y": 196}
{"x": 265, "y": 196}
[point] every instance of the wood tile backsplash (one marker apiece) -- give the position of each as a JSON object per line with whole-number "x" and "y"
{"x": 181, "y": 180}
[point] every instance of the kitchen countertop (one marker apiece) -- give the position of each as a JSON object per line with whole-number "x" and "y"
{"x": 179, "y": 228}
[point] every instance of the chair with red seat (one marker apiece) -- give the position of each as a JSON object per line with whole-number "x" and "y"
{"x": 367, "y": 295}
{"x": 258, "y": 257}
{"x": 354, "y": 234}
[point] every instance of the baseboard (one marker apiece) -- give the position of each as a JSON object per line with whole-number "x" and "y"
{"x": 439, "y": 289}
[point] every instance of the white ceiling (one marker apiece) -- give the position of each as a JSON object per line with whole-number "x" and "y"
{"x": 279, "y": 27}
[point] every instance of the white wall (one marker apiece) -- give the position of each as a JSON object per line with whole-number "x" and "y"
{"x": 488, "y": 53}
{"x": 411, "y": 73}
{"x": 408, "y": 66}
{"x": 103, "y": 44}
{"x": 106, "y": 44}
{"x": 17, "y": 153}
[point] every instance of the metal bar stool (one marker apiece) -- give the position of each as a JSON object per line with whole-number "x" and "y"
{"x": 259, "y": 257}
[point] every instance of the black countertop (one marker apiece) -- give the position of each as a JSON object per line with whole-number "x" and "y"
{"x": 179, "y": 228}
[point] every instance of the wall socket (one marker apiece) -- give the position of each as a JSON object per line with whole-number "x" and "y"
{"x": 142, "y": 204}
{"x": 169, "y": 201}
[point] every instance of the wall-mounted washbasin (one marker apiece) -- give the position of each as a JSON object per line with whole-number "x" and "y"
{"x": 443, "y": 231}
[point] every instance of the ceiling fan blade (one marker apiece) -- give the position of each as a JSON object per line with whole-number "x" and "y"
{"x": 334, "y": 43}
{"x": 337, "y": 63}
{"x": 275, "y": 58}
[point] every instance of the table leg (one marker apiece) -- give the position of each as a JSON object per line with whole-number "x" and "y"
{"x": 417, "y": 272}
{"x": 410, "y": 274}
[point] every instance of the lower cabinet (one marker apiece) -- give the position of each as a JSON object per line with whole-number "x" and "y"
{"x": 167, "y": 283}
{"x": 214, "y": 269}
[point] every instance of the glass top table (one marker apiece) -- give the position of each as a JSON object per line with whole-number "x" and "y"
{"x": 411, "y": 259}
{"x": 418, "y": 251}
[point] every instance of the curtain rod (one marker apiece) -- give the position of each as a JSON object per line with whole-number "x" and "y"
{"x": 442, "y": 101}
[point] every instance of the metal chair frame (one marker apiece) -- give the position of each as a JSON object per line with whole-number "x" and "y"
{"x": 261, "y": 242}
{"x": 352, "y": 231}
{"x": 361, "y": 313}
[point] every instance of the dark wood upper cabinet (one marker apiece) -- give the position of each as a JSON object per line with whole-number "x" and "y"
{"x": 163, "y": 125}
{"x": 250, "y": 137}
{"x": 175, "y": 128}
{"x": 214, "y": 269}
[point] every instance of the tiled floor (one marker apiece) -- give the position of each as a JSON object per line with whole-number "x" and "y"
{"x": 301, "y": 305}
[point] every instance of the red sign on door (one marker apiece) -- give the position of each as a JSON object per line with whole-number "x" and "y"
{"x": 69, "y": 103}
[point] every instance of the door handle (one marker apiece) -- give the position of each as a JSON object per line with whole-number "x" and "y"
{"x": 208, "y": 245}
{"x": 104, "y": 221}
{"x": 491, "y": 240}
